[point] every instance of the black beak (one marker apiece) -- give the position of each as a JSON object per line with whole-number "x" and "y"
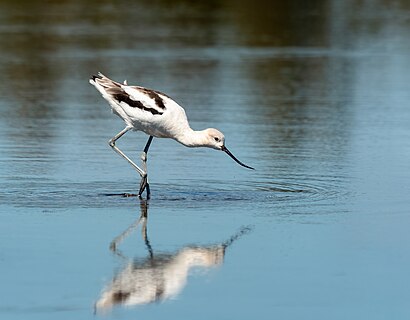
{"x": 233, "y": 157}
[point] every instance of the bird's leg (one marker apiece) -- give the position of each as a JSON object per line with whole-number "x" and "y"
{"x": 144, "y": 178}
{"x": 111, "y": 142}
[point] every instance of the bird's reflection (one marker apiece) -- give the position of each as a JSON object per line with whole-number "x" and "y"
{"x": 157, "y": 277}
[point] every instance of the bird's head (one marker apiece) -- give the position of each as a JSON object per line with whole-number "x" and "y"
{"x": 216, "y": 140}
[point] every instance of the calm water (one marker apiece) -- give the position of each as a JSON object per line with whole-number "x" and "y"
{"x": 315, "y": 96}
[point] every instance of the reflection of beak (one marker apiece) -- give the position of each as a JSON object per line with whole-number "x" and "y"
{"x": 223, "y": 148}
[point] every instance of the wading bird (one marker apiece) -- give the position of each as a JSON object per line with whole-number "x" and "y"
{"x": 156, "y": 114}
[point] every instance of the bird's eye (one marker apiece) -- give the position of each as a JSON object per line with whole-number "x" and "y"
{"x": 216, "y": 139}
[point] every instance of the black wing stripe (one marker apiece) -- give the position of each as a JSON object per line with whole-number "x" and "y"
{"x": 154, "y": 96}
{"x": 123, "y": 97}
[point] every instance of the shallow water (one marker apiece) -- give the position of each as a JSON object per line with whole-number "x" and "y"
{"x": 314, "y": 96}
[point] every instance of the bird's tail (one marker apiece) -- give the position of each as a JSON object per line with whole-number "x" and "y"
{"x": 104, "y": 84}
{"x": 102, "y": 80}
{"x": 98, "y": 76}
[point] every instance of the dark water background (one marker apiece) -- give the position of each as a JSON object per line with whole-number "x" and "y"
{"x": 315, "y": 95}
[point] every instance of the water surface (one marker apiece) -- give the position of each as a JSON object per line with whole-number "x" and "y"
{"x": 314, "y": 96}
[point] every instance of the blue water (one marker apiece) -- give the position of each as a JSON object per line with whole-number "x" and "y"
{"x": 314, "y": 96}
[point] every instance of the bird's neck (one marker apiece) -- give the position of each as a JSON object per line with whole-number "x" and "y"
{"x": 193, "y": 138}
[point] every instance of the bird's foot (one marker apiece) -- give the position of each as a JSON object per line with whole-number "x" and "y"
{"x": 144, "y": 185}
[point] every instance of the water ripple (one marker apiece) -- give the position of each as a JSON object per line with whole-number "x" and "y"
{"x": 293, "y": 191}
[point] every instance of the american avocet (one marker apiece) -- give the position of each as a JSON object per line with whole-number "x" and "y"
{"x": 157, "y": 115}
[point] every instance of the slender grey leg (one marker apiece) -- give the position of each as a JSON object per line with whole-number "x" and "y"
{"x": 144, "y": 178}
{"x": 122, "y": 154}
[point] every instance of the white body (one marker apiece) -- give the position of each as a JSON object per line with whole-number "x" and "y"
{"x": 172, "y": 122}
{"x": 169, "y": 122}
{"x": 157, "y": 115}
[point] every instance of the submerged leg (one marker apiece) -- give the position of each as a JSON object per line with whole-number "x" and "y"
{"x": 111, "y": 142}
{"x": 144, "y": 178}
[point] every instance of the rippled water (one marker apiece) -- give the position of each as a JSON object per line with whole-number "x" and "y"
{"x": 315, "y": 96}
